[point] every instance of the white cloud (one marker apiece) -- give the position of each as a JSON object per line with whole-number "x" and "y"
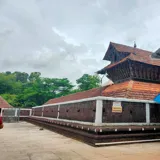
{"x": 68, "y": 38}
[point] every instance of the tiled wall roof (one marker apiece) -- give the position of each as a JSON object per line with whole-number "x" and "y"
{"x": 129, "y": 89}
{"x": 133, "y": 89}
{"x": 77, "y": 96}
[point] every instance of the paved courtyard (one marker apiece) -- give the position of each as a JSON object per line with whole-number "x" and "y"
{"x": 24, "y": 141}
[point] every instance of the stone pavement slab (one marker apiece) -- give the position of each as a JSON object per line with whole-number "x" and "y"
{"x": 24, "y": 141}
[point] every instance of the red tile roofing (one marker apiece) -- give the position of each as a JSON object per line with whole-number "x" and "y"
{"x": 129, "y": 89}
{"x": 128, "y": 49}
{"x": 4, "y": 103}
{"x": 77, "y": 96}
{"x": 133, "y": 90}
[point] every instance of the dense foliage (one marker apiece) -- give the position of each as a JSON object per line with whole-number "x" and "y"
{"x": 21, "y": 89}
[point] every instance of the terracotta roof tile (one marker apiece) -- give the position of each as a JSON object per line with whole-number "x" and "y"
{"x": 128, "y": 49}
{"x": 77, "y": 96}
{"x": 133, "y": 89}
{"x": 4, "y": 103}
{"x": 129, "y": 89}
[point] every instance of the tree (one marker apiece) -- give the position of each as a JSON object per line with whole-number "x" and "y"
{"x": 34, "y": 76}
{"x": 23, "y": 90}
{"x": 8, "y": 73}
{"x": 6, "y": 83}
{"x": 11, "y": 99}
{"x": 21, "y": 76}
{"x": 41, "y": 90}
{"x": 87, "y": 82}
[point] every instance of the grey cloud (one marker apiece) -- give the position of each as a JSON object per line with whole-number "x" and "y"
{"x": 84, "y": 28}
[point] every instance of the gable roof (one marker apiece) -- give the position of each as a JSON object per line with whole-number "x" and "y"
{"x": 124, "y": 48}
{"x": 135, "y": 54}
{"x": 4, "y": 103}
{"x": 77, "y": 96}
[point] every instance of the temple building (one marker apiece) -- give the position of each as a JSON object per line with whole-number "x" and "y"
{"x": 134, "y": 72}
{"x": 124, "y": 109}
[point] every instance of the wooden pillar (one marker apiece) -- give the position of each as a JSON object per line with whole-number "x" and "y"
{"x": 99, "y": 109}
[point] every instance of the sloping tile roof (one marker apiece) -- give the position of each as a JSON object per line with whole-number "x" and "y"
{"x": 133, "y": 89}
{"x": 77, "y": 96}
{"x": 128, "y": 49}
{"x": 136, "y": 54}
{"x": 129, "y": 89}
{"x": 4, "y": 103}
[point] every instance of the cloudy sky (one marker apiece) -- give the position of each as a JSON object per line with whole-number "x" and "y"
{"x": 67, "y": 38}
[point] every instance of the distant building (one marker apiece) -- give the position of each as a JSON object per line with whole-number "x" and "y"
{"x": 4, "y": 103}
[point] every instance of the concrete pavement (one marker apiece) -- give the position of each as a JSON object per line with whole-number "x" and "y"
{"x": 24, "y": 141}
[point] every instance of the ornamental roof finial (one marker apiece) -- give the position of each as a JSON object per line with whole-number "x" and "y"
{"x": 135, "y": 46}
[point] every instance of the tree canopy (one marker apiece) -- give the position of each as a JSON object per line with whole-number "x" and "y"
{"x": 87, "y": 82}
{"x": 21, "y": 89}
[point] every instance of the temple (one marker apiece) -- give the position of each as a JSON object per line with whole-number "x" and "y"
{"x": 120, "y": 112}
{"x": 134, "y": 72}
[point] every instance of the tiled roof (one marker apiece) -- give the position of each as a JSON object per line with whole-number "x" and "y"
{"x": 133, "y": 89}
{"x": 4, "y": 103}
{"x": 77, "y": 96}
{"x": 136, "y": 54}
{"x": 128, "y": 49}
{"x": 129, "y": 89}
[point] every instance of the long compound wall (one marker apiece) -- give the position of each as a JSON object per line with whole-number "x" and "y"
{"x": 51, "y": 111}
{"x": 90, "y": 111}
{"x": 82, "y": 111}
{"x": 132, "y": 112}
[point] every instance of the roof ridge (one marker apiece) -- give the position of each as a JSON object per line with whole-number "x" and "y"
{"x": 129, "y": 46}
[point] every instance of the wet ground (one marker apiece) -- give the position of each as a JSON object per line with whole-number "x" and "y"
{"x": 24, "y": 141}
